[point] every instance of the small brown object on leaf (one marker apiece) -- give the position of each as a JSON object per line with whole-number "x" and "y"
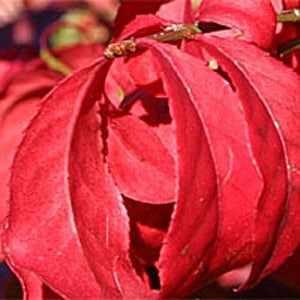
{"x": 123, "y": 48}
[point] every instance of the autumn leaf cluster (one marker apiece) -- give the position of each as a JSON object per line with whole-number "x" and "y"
{"x": 149, "y": 166}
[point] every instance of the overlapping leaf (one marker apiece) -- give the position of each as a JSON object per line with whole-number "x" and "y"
{"x": 140, "y": 164}
{"x": 39, "y": 199}
{"x": 196, "y": 197}
{"x": 130, "y": 9}
{"x": 253, "y": 20}
{"x": 41, "y": 193}
{"x": 100, "y": 217}
{"x": 25, "y": 82}
{"x": 88, "y": 170}
{"x": 269, "y": 88}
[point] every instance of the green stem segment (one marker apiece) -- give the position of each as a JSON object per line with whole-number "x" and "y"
{"x": 289, "y": 15}
{"x": 176, "y": 32}
{"x": 54, "y": 63}
{"x": 172, "y": 33}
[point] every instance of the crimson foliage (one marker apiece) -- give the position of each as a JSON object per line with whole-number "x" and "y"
{"x": 151, "y": 175}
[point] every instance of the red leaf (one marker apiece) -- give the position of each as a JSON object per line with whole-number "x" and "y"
{"x": 25, "y": 82}
{"x": 103, "y": 226}
{"x": 48, "y": 245}
{"x": 236, "y": 170}
{"x": 255, "y": 19}
{"x": 139, "y": 163}
{"x": 18, "y": 104}
{"x": 277, "y": 4}
{"x": 129, "y": 9}
{"x": 291, "y": 3}
{"x": 50, "y": 294}
{"x": 179, "y": 11}
{"x": 288, "y": 274}
{"x": 139, "y": 173}
{"x": 118, "y": 83}
{"x": 263, "y": 83}
{"x": 66, "y": 132}
{"x": 142, "y": 25}
{"x": 143, "y": 69}
{"x": 195, "y": 213}
{"x": 235, "y": 165}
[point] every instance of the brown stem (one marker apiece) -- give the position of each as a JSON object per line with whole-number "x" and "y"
{"x": 289, "y": 47}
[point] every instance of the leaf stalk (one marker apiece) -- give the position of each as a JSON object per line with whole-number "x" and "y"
{"x": 176, "y": 32}
{"x": 289, "y": 15}
{"x": 54, "y": 63}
